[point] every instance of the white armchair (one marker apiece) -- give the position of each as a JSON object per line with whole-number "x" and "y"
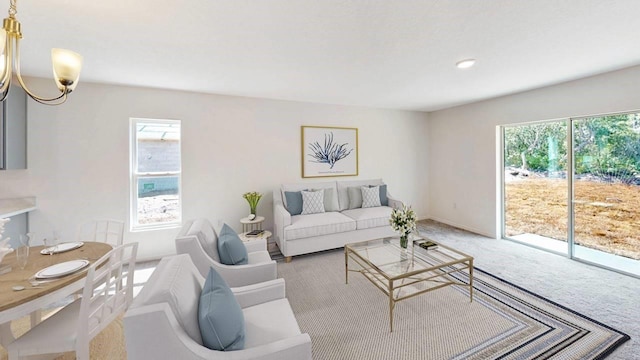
{"x": 162, "y": 322}
{"x": 198, "y": 239}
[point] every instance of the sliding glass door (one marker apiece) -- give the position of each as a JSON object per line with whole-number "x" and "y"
{"x": 606, "y": 184}
{"x": 535, "y": 185}
{"x": 590, "y": 212}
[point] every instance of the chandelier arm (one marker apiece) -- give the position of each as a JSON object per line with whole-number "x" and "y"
{"x": 8, "y": 67}
{"x": 50, "y": 101}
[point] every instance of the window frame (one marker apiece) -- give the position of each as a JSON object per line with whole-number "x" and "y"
{"x": 134, "y": 176}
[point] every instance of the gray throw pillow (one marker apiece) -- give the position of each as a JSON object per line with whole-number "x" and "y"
{"x": 220, "y": 317}
{"x": 355, "y": 197}
{"x": 294, "y": 202}
{"x": 329, "y": 203}
{"x": 230, "y": 248}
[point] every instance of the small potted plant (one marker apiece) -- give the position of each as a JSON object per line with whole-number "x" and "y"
{"x": 252, "y": 198}
{"x": 403, "y": 221}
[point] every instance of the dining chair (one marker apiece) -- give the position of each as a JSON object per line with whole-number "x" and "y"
{"x": 107, "y": 294}
{"x": 102, "y": 230}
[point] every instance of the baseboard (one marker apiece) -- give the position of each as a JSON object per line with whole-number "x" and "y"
{"x": 463, "y": 227}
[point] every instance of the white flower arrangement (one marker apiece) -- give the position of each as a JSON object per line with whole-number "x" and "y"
{"x": 403, "y": 221}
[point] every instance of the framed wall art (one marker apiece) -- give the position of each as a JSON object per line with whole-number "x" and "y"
{"x": 329, "y": 151}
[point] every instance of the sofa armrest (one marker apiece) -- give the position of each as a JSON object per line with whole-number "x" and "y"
{"x": 143, "y": 326}
{"x": 263, "y": 292}
{"x": 282, "y": 219}
{"x": 256, "y": 245}
{"x": 395, "y": 203}
{"x": 242, "y": 275}
{"x": 191, "y": 246}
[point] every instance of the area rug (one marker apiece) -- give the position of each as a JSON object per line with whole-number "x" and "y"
{"x": 108, "y": 345}
{"x": 504, "y": 321}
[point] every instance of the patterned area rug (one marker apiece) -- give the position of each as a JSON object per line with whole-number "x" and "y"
{"x": 503, "y": 322}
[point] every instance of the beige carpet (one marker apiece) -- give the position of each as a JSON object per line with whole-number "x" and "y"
{"x": 503, "y": 322}
{"x": 108, "y": 345}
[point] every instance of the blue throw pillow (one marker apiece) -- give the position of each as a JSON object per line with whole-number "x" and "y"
{"x": 384, "y": 200}
{"x": 230, "y": 247}
{"x": 219, "y": 315}
{"x": 294, "y": 202}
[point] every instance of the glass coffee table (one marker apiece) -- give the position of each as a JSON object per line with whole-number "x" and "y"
{"x": 404, "y": 273}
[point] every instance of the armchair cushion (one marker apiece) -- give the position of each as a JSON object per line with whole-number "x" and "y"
{"x": 269, "y": 322}
{"x": 203, "y": 230}
{"x": 178, "y": 284}
{"x": 219, "y": 315}
{"x": 230, "y": 248}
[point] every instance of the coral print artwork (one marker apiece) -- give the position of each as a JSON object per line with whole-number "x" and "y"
{"x": 329, "y": 151}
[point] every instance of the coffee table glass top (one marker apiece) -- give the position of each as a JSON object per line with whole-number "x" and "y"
{"x": 390, "y": 260}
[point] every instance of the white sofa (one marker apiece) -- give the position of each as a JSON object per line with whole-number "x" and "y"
{"x": 162, "y": 322}
{"x": 302, "y": 234}
{"x": 199, "y": 239}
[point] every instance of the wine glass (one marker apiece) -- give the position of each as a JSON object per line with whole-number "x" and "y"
{"x": 22, "y": 254}
{"x": 54, "y": 242}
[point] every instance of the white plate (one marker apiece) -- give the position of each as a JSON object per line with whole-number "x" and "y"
{"x": 61, "y": 269}
{"x": 61, "y": 247}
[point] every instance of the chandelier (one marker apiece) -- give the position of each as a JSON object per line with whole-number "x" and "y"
{"x": 66, "y": 63}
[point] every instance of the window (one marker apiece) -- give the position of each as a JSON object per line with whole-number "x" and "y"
{"x": 155, "y": 174}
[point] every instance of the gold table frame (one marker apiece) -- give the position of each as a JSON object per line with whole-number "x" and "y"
{"x": 401, "y": 274}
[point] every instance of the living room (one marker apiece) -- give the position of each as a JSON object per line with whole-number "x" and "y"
{"x": 439, "y": 157}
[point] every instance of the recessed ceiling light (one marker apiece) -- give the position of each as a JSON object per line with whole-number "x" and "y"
{"x": 466, "y": 63}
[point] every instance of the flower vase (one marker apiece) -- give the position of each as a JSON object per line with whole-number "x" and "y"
{"x": 404, "y": 240}
{"x": 253, "y": 210}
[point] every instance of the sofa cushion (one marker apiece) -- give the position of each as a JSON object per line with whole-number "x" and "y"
{"x": 177, "y": 282}
{"x": 220, "y": 317}
{"x": 304, "y": 226}
{"x": 355, "y": 197}
{"x": 343, "y": 193}
{"x": 269, "y": 322}
{"x": 293, "y": 202}
{"x": 203, "y": 230}
{"x": 259, "y": 257}
{"x": 370, "y": 217}
{"x": 370, "y": 196}
{"x": 312, "y": 202}
{"x": 230, "y": 247}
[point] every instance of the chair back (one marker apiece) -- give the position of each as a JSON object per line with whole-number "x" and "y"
{"x": 108, "y": 290}
{"x": 102, "y": 230}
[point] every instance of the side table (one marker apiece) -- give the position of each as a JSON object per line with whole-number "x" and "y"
{"x": 255, "y": 224}
{"x": 265, "y": 235}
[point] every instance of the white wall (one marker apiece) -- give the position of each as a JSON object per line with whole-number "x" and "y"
{"x": 462, "y": 141}
{"x": 78, "y": 154}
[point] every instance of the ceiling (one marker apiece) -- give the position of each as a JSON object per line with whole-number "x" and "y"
{"x": 383, "y": 54}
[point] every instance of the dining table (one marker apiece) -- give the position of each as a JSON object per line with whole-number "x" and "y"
{"x": 21, "y": 294}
